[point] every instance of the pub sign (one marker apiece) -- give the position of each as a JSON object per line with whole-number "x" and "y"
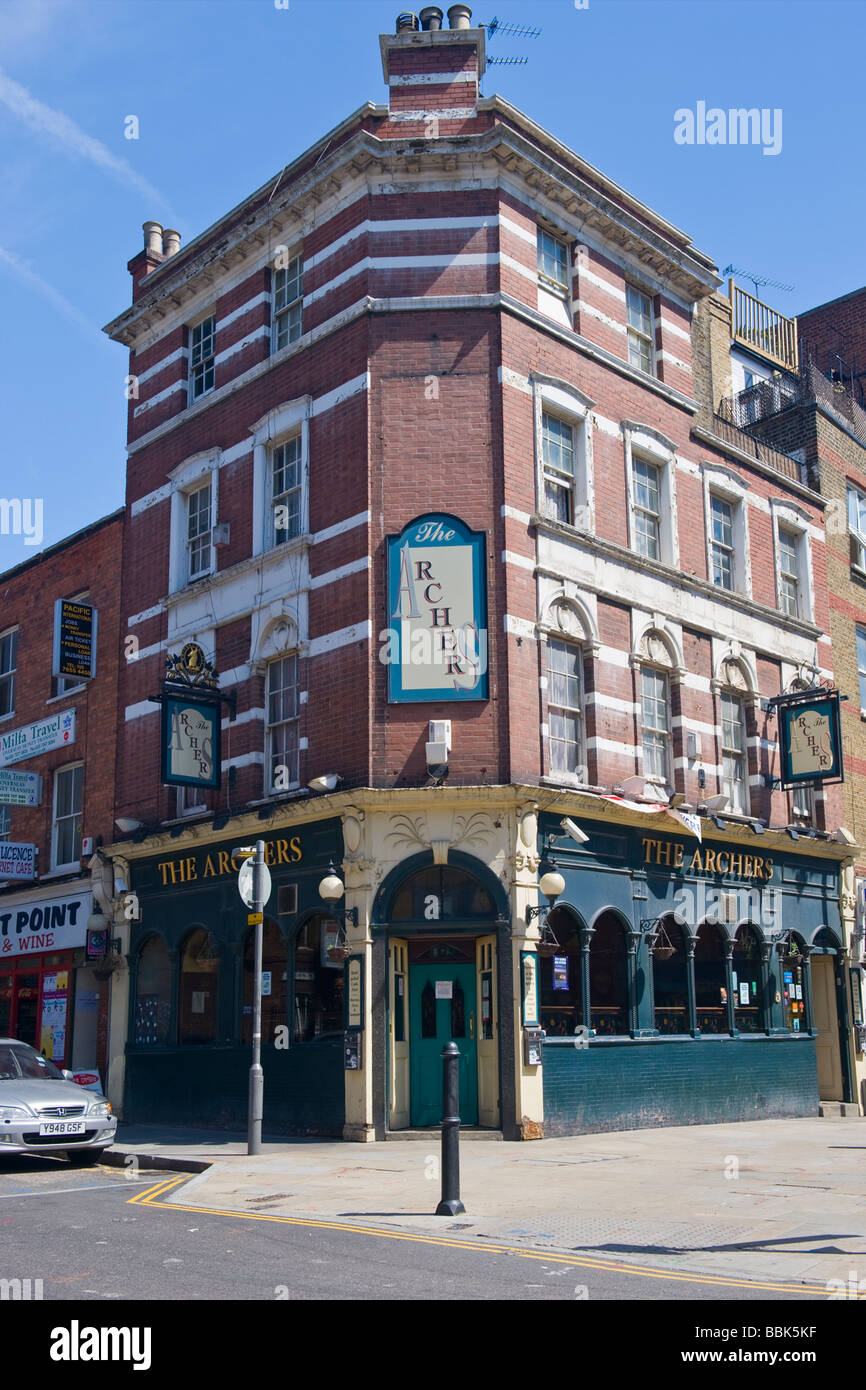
{"x": 810, "y": 738}
{"x": 190, "y": 741}
{"x": 435, "y": 644}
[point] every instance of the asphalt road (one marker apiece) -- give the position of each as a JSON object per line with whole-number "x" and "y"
{"x": 76, "y": 1231}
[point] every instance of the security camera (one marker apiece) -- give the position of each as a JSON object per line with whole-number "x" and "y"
{"x": 574, "y": 831}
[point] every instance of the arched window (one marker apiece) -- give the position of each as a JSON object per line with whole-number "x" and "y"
{"x": 711, "y": 992}
{"x": 441, "y": 894}
{"x": 152, "y": 994}
{"x": 746, "y": 981}
{"x": 669, "y": 979}
{"x": 793, "y": 985}
{"x": 735, "y": 761}
{"x": 608, "y": 982}
{"x": 274, "y": 976}
{"x": 197, "y": 989}
{"x": 319, "y": 982}
{"x": 559, "y": 979}
{"x": 565, "y": 707}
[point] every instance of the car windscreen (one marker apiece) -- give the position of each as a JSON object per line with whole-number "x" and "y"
{"x": 8, "y": 1069}
{"x": 35, "y": 1067}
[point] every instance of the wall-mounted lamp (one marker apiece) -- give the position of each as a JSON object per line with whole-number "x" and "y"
{"x": 551, "y": 885}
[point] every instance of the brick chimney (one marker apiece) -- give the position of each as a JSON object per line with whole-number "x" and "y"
{"x": 433, "y": 74}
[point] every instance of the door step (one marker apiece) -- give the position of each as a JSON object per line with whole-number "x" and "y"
{"x": 838, "y": 1110}
{"x": 434, "y": 1133}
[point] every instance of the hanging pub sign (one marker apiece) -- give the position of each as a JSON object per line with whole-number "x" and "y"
{"x": 74, "y": 652}
{"x": 810, "y": 737}
{"x": 191, "y": 720}
{"x": 20, "y": 788}
{"x": 435, "y": 645}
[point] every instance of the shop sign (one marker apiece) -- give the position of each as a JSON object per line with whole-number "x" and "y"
{"x": 435, "y": 644}
{"x": 20, "y": 788}
{"x": 217, "y": 863}
{"x": 669, "y": 854}
{"x": 43, "y": 924}
{"x": 810, "y": 738}
{"x": 529, "y": 984}
{"x": 42, "y": 737}
{"x": 354, "y": 993}
{"x": 74, "y": 653}
{"x": 17, "y": 860}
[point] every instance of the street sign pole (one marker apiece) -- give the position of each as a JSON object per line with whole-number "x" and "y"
{"x": 257, "y": 1079}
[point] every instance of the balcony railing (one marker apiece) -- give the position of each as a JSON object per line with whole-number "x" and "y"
{"x": 763, "y": 329}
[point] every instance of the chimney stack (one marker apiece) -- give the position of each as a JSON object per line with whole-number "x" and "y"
{"x": 433, "y": 74}
{"x": 170, "y": 243}
{"x": 152, "y": 238}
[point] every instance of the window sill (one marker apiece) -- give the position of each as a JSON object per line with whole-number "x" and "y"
{"x": 74, "y": 690}
{"x": 64, "y": 871}
{"x": 554, "y": 286}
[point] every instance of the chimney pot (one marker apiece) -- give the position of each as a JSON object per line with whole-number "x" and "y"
{"x": 431, "y": 17}
{"x": 170, "y": 242}
{"x": 460, "y": 17}
{"x": 152, "y": 238}
{"x": 406, "y": 21}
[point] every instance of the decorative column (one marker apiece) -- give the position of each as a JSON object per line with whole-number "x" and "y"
{"x": 633, "y": 940}
{"x": 359, "y": 1123}
{"x": 528, "y": 1081}
{"x": 770, "y": 1008}
{"x": 690, "y": 943}
{"x": 586, "y": 935}
{"x": 729, "y": 976}
{"x": 807, "y": 991}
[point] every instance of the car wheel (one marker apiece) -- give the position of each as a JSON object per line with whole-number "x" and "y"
{"x": 84, "y": 1158}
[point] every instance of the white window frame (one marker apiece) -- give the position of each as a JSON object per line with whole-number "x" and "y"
{"x": 200, "y": 544}
{"x": 275, "y": 428}
{"x": 9, "y": 675}
{"x": 576, "y": 774}
{"x": 857, "y": 526}
{"x": 728, "y": 487}
{"x": 270, "y": 788}
{"x": 652, "y": 779}
{"x": 279, "y": 278}
{"x": 199, "y": 323}
{"x": 194, "y": 473}
{"x": 563, "y": 285}
{"x": 786, "y": 577}
{"x": 5, "y": 823}
{"x": 861, "y": 669}
{"x": 571, "y": 407}
{"x": 729, "y": 750}
{"x": 636, "y": 337}
{"x": 791, "y": 518}
{"x": 644, "y": 443}
{"x": 58, "y": 773}
{"x": 275, "y": 500}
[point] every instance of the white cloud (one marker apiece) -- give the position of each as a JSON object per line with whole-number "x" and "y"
{"x": 42, "y": 287}
{"x": 47, "y": 121}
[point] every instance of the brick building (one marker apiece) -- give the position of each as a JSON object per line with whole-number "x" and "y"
{"x": 423, "y": 460}
{"x": 57, "y": 765}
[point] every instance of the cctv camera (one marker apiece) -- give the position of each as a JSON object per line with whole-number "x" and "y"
{"x": 574, "y": 831}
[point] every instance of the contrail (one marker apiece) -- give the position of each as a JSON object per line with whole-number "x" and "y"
{"x": 23, "y": 271}
{"x": 43, "y": 118}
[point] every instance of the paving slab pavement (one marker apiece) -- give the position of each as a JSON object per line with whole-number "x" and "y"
{"x": 773, "y": 1200}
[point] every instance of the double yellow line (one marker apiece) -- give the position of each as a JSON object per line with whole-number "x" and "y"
{"x": 151, "y": 1198}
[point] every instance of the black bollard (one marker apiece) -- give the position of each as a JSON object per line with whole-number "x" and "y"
{"x": 451, "y": 1204}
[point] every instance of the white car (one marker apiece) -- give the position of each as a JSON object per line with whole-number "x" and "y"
{"x": 43, "y": 1111}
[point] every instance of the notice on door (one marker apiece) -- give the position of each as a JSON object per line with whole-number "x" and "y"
{"x": 444, "y": 989}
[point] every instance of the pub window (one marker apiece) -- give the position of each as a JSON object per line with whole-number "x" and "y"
{"x": 197, "y": 989}
{"x": 793, "y": 986}
{"x": 319, "y": 982}
{"x": 711, "y": 993}
{"x": 274, "y": 977}
{"x": 152, "y": 994}
{"x": 559, "y": 979}
{"x": 746, "y": 981}
{"x": 608, "y": 985}
{"x": 670, "y": 973}
{"x": 436, "y": 894}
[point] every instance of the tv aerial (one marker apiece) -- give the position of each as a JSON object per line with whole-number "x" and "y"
{"x": 757, "y": 280}
{"x": 513, "y": 31}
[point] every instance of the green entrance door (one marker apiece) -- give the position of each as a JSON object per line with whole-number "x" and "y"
{"x": 441, "y": 1010}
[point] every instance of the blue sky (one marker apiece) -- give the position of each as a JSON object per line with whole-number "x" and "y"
{"x": 228, "y": 91}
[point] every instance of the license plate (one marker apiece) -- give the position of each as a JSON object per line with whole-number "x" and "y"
{"x": 50, "y": 1128}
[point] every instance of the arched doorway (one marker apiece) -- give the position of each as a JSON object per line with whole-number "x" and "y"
{"x": 442, "y": 987}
